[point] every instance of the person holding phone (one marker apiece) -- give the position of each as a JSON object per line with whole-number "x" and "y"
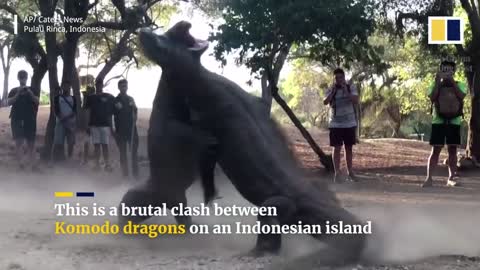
{"x": 445, "y": 131}
{"x": 342, "y": 98}
{"x": 23, "y": 118}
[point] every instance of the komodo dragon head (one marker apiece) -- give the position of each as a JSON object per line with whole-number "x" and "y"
{"x": 175, "y": 50}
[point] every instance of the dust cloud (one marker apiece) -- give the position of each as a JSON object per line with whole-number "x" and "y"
{"x": 402, "y": 232}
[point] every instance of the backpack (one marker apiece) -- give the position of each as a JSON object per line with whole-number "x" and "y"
{"x": 448, "y": 105}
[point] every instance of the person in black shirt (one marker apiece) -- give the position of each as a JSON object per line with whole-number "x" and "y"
{"x": 100, "y": 125}
{"x": 126, "y": 134}
{"x": 23, "y": 117}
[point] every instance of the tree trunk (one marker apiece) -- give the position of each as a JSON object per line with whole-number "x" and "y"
{"x": 266, "y": 94}
{"x": 39, "y": 71}
{"x": 270, "y": 80}
{"x": 358, "y": 109}
{"x": 6, "y": 64}
{"x": 76, "y": 88}
{"x": 69, "y": 66}
{"x": 6, "y": 74}
{"x": 118, "y": 52}
{"x": 50, "y": 41}
{"x": 325, "y": 159}
{"x": 99, "y": 80}
{"x": 473, "y": 144}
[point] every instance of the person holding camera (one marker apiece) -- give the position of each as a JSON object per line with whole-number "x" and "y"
{"x": 342, "y": 98}
{"x": 447, "y": 97}
{"x": 23, "y": 118}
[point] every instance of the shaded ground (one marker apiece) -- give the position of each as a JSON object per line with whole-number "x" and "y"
{"x": 413, "y": 226}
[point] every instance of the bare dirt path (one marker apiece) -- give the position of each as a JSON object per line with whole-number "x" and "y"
{"x": 413, "y": 227}
{"x": 410, "y": 225}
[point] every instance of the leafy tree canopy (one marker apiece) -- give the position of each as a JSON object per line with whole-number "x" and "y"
{"x": 315, "y": 29}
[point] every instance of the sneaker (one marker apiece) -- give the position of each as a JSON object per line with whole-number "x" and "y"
{"x": 452, "y": 183}
{"x": 108, "y": 168}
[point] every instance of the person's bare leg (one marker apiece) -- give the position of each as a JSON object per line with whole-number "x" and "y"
{"x": 349, "y": 161}
{"x": 106, "y": 157}
{"x": 432, "y": 164}
{"x": 30, "y": 155}
{"x": 70, "y": 150}
{"x": 336, "y": 161}
{"x": 452, "y": 165}
{"x": 86, "y": 146}
{"x": 97, "y": 155}
{"x": 19, "y": 153}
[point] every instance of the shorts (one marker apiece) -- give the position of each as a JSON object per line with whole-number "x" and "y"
{"x": 341, "y": 136}
{"x": 24, "y": 129}
{"x": 99, "y": 135}
{"x": 445, "y": 134}
{"x": 61, "y": 132}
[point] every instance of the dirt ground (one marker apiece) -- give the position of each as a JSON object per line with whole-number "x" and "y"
{"x": 414, "y": 228}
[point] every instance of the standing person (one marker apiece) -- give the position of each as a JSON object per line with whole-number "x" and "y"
{"x": 100, "y": 125}
{"x": 342, "y": 98}
{"x": 83, "y": 124}
{"x": 65, "y": 112}
{"x": 23, "y": 118}
{"x": 446, "y": 96}
{"x": 126, "y": 134}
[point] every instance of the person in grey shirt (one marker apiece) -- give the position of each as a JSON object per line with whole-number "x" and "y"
{"x": 65, "y": 111}
{"x": 342, "y": 98}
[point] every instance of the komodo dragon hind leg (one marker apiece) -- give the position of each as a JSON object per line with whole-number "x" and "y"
{"x": 138, "y": 196}
{"x": 271, "y": 243}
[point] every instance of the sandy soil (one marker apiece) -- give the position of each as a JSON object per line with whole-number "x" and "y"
{"x": 414, "y": 229}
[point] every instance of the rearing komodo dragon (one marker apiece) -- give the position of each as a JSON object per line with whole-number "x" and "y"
{"x": 252, "y": 151}
{"x": 176, "y": 154}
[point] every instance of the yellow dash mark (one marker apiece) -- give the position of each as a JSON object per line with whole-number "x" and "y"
{"x": 438, "y": 30}
{"x": 63, "y": 194}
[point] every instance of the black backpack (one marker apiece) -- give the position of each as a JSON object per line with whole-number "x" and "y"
{"x": 448, "y": 106}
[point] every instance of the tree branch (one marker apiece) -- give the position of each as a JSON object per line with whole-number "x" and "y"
{"x": 8, "y": 9}
{"x": 474, "y": 18}
{"x": 474, "y": 7}
{"x": 7, "y": 28}
{"x": 92, "y": 5}
{"x": 280, "y": 62}
{"x": 120, "y": 75}
{"x": 120, "y": 5}
{"x": 108, "y": 25}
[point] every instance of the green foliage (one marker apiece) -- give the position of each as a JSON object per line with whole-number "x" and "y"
{"x": 44, "y": 98}
{"x": 304, "y": 90}
{"x": 99, "y": 45}
{"x": 258, "y": 30}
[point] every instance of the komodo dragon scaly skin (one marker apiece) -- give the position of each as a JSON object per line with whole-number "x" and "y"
{"x": 252, "y": 151}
